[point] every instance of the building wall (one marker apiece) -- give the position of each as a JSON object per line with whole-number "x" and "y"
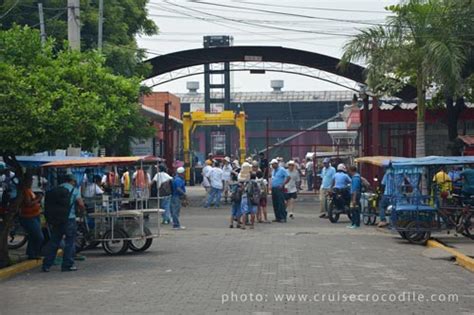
{"x": 157, "y": 100}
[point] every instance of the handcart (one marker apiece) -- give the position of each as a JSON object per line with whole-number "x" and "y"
{"x": 116, "y": 221}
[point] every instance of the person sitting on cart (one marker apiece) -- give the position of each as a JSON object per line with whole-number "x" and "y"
{"x": 341, "y": 182}
{"x": 455, "y": 176}
{"x": 387, "y": 185}
{"x": 443, "y": 184}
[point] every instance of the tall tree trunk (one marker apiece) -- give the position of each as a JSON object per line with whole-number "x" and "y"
{"x": 420, "y": 118}
{"x": 453, "y": 113}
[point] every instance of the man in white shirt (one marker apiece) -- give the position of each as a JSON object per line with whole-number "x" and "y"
{"x": 217, "y": 185}
{"x": 164, "y": 186}
{"x": 205, "y": 176}
{"x": 226, "y": 172}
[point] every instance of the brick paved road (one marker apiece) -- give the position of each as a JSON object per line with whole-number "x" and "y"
{"x": 188, "y": 272}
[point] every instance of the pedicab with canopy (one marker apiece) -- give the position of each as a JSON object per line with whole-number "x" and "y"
{"x": 117, "y": 221}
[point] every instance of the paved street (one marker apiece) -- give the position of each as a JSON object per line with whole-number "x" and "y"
{"x": 201, "y": 270}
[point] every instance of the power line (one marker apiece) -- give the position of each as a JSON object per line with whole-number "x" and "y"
{"x": 9, "y": 10}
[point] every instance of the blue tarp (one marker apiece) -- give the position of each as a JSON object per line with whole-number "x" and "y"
{"x": 37, "y": 161}
{"x": 431, "y": 161}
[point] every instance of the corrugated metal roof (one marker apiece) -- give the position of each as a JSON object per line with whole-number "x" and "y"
{"x": 284, "y": 96}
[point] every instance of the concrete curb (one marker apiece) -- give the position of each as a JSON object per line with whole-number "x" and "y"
{"x": 15, "y": 269}
{"x": 462, "y": 260}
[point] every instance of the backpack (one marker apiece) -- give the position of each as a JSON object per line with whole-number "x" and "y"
{"x": 263, "y": 189}
{"x": 166, "y": 188}
{"x": 236, "y": 194}
{"x": 57, "y": 204}
{"x": 253, "y": 193}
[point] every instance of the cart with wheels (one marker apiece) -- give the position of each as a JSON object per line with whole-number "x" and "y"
{"x": 116, "y": 222}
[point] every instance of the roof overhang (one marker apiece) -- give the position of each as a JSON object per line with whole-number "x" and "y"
{"x": 156, "y": 115}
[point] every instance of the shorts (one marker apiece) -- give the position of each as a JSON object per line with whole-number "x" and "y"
{"x": 289, "y": 196}
{"x": 246, "y": 207}
{"x": 236, "y": 210}
{"x": 263, "y": 201}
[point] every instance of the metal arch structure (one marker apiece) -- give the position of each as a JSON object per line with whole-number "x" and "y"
{"x": 258, "y": 66}
{"x": 187, "y": 58}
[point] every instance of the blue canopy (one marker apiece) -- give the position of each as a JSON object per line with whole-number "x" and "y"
{"x": 431, "y": 161}
{"x": 38, "y": 160}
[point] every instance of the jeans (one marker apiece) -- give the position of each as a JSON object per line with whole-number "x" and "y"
{"x": 309, "y": 179}
{"x": 175, "y": 209}
{"x": 165, "y": 204}
{"x": 214, "y": 197}
{"x": 32, "y": 227}
{"x": 355, "y": 217}
{"x": 278, "y": 199}
{"x": 384, "y": 203}
{"x": 57, "y": 232}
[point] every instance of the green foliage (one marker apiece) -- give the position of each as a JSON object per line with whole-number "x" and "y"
{"x": 50, "y": 100}
{"x": 123, "y": 20}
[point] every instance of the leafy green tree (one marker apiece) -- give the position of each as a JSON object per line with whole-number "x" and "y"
{"x": 51, "y": 99}
{"x": 123, "y": 20}
{"x": 416, "y": 45}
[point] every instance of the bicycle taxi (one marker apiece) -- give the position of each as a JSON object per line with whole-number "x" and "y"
{"x": 122, "y": 217}
{"x": 415, "y": 213}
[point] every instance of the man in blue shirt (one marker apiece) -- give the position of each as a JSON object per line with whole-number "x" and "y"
{"x": 179, "y": 194}
{"x": 389, "y": 187}
{"x": 327, "y": 176}
{"x": 67, "y": 230}
{"x": 356, "y": 189}
{"x": 280, "y": 178}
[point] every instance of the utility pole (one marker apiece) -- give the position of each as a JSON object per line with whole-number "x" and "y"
{"x": 73, "y": 24}
{"x": 101, "y": 25}
{"x": 41, "y": 18}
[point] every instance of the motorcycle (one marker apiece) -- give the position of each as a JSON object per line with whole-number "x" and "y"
{"x": 338, "y": 204}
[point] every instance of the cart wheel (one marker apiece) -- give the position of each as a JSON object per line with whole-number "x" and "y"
{"x": 17, "y": 238}
{"x": 333, "y": 217}
{"x": 468, "y": 225}
{"x": 141, "y": 245}
{"x": 419, "y": 238}
{"x": 80, "y": 241}
{"x": 116, "y": 246}
{"x": 402, "y": 234}
{"x": 366, "y": 219}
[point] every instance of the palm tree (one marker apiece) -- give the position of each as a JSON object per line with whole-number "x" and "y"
{"x": 411, "y": 47}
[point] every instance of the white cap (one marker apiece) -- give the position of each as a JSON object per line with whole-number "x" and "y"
{"x": 341, "y": 167}
{"x": 227, "y": 159}
{"x": 180, "y": 170}
{"x": 274, "y": 161}
{"x": 291, "y": 162}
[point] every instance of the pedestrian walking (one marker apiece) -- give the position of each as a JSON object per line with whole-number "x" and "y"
{"x": 206, "y": 182}
{"x": 235, "y": 189}
{"x": 291, "y": 188}
{"x": 165, "y": 188}
{"x": 262, "y": 216}
{"x": 177, "y": 198}
{"x": 226, "y": 176}
{"x": 279, "y": 179}
{"x": 30, "y": 209}
{"x": 356, "y": 191}
{"x": 250, "y": 200}
{"x": 327, "y": 177}
{"x": 388, "y": 185}
{"x": 61, "y": 206}
{"x": 217, "y": 185}
{"x": 309, "y": 173}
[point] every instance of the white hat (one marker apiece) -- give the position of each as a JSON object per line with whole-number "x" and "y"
{"x": 274, "y": 161}
{"x": 180, "y": 170}
{"x": 341, "y": 167}
{"x": 227, "y": 159}
{"x": 291, "y": 162}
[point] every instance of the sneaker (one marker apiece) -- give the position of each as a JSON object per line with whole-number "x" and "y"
{"x": 350, "y": 226}
{"x": 72, "y": 268}
{"x": 231, "y": 226}
{"x": 355, "y": 227}
{"x": 179, "y": 228}
{"x": 292, "y": 216}
{"x": 323, "y": 215}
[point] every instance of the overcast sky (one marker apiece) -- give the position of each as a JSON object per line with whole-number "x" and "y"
{"x": 330, "y": 24}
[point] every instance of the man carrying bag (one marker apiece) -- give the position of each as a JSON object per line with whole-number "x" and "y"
{"x": 60, "y": 212}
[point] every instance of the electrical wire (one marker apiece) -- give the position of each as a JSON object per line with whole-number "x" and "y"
{"x": 9, "y": 10}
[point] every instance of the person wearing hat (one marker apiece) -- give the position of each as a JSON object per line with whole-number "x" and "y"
{"x": 280, "y": 178}
{"x": 291, "y": 188}
{"x": 178, "y": 195}
{"x": 217, "y": 186}
{"x": 327, "y": 176}
{"x": 164, "y": 184}
{"x": 342, "y": 182}
{"x": 226, "y": 173}
{"x": 67, "y": 230}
